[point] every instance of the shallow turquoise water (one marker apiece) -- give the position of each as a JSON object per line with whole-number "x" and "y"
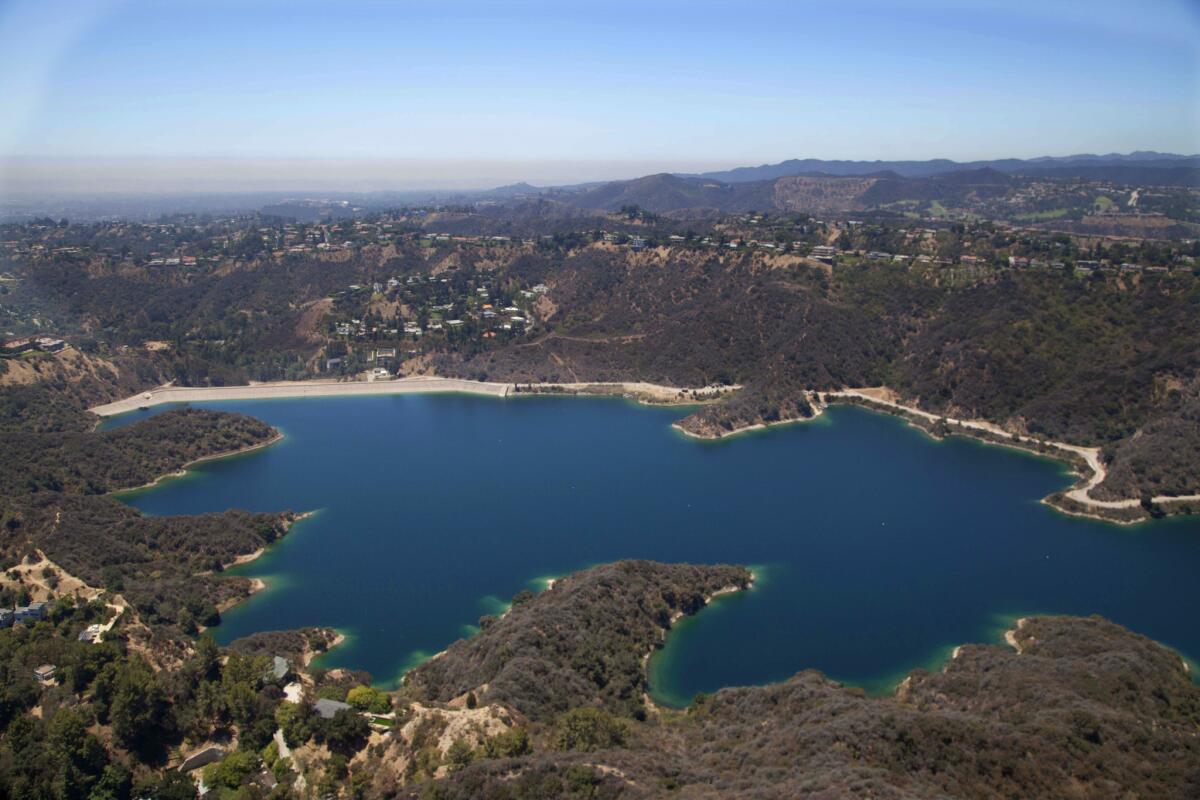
{"x": 878, "y": 549}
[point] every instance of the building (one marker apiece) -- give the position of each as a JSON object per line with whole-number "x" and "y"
{"x": 328, "y": 709}
{"x": 6, "y": 618}
{"x": 18, "y": 345}
{"x": 30, "y": 613}
{"x": 202, "y": 758}
{"x": 45, "y": 673}
{"x": 823, "y": 252}
{"x": 278, "y": 669}
{"x": 50, "y": 344}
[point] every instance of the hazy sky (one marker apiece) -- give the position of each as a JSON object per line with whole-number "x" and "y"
{"x": 257, "y": 94}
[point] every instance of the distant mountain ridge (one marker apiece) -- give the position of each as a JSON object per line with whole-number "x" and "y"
{"x": 816, "y": 186}
{"x": 925, "y": 169}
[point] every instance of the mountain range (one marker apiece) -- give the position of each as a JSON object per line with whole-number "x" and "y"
{"x": 1042, "y": 166}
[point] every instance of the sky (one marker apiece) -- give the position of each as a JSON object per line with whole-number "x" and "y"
{"x": 176, "y": 95}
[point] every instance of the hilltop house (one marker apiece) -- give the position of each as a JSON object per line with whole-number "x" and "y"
{"x": 50, "y": 344}
{"x": 823, "y": 252}
{"x": 18, "y": 345}
{"x": 45, "y": 673}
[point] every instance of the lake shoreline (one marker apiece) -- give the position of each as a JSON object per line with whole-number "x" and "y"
{"x": 1085, "y": 462}
{"x": 1076, "y": 501}
{"x": 182, "y": 471}
{"x": 651, "y": 704}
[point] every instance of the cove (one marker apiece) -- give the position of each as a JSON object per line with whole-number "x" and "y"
{"x": 877, "y": 549}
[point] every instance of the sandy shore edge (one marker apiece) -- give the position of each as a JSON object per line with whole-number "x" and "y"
{"x": 653, "y": 393}
{"x": 287, "y": 389}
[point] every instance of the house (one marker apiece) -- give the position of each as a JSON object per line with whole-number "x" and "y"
{"x": 6, "y": 618}
{"x": 331, "y": 363}
{"x": 31, "y": 612}
{"x": 328, "y": 709}
{"x": 876, "y": 255}
{"x": 823, "y": 252}
{"x": 91, "y": 633}
{"x": 45, "y": 673}
{"x": 265, "y": 779}
{"x": 18, "y": 345}
{"x": 278, "y": 669}
{"x": 50, "y": 344}
{"x": 202, "y": 758}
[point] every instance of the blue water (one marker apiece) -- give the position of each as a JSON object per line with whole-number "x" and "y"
{"x": 877, "y": 548}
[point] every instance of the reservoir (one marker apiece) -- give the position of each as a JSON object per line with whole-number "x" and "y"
{"x": 877, "y": 549}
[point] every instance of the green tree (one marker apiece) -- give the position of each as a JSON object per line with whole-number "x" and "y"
{"x": 588, "y": 729}
{"x": 510, "y": 744}
{"x": 296, "y": 721}
{"x": 116, "y": 783}
{"x": 233, "y": 770}
{"x": 459, "y": 755}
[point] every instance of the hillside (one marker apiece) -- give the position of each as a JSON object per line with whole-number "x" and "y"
{"x": 580, "y": 643}
{"x": 663, "y": 193}
{"x": 1074, "y": 707}
{"x": 1087, "y": 362}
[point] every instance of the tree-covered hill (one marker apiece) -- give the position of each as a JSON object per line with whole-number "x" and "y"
{"x": 1075, "y": 708}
